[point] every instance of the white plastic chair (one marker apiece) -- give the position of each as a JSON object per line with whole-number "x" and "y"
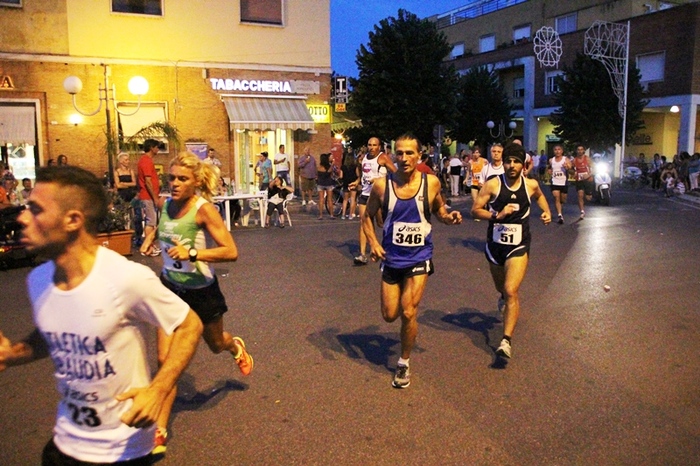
{"x": 289, "y": 197}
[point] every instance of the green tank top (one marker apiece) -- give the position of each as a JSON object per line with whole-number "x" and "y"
{"x": 185, "y": 230}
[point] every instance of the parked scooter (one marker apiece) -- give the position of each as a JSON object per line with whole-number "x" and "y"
{"x": 603, "y": 182}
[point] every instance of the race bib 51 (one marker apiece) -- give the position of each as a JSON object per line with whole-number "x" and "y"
{"x": 507, "y": 233}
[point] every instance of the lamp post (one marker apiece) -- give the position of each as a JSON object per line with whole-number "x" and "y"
{"x": 501, "y": 129}
{"x": 138, "y": 86}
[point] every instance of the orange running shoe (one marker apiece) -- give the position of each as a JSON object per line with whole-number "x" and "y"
{"x": 160, "y": 441}
{"x": 244, "y": 359}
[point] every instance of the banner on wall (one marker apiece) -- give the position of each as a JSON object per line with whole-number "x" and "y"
{"x": 199, "y": 149}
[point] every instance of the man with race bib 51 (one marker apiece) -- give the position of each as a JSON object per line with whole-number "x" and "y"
{"x": 505, "y": 202}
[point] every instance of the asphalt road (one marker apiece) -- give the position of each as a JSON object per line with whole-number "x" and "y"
{"x": 604, "y": 378}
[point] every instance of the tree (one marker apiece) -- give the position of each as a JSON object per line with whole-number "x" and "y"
{"x": 481, "y": 99}
{"x": 588, "y": 107}
{"x": 403, "y": 84}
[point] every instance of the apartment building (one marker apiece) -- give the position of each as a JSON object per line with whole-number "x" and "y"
{"x": 664, "y": 44}
{"x": 238, "y": 76}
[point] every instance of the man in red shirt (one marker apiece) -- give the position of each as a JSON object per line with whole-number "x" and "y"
{"x": 423, "y": 166}
{"x": 4, "y": 200}
{"x": 149, "y": 190}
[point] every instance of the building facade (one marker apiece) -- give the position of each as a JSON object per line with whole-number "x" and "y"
{"x": 241, "y": 77}
{"x": 664, "y": 44}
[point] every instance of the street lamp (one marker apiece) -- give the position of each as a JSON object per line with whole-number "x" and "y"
{"x": 501, "y": 129}
{"x": 138, "y": 86}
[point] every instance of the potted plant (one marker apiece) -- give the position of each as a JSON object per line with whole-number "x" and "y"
{"x": 115, "y": 230}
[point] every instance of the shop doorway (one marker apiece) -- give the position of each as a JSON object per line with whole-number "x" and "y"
{"x": 19, "y": 132}
{"x": 249, "y": 144}
{"x": 21, "y": 160}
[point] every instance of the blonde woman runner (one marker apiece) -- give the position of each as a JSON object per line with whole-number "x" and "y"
{"x": 192, "y": 234}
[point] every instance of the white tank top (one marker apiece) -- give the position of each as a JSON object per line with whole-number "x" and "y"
{"x": 559, "y": 175}
{"x": 371, "y": 170}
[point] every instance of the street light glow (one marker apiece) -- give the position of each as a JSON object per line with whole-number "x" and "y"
{"x": 138, "y": 85}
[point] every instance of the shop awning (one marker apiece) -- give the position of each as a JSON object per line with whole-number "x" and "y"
{"x": 266, "y": 113}
{"x": 17, "y": 125}
{"x": 345, "y": 120}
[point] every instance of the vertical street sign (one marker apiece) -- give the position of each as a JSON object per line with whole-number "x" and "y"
{"x": 340, "y": 85}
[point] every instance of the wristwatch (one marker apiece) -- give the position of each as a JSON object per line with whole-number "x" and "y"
{"x": 193, "y": 254}
{"x": 494, "y": 215}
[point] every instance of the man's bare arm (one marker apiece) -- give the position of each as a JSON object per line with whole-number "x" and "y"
{"x": 479, "y": 209}
{"x": 385, "y": 161}
{"x": 438, "y": 203}
{"x": 374, "y": 205}
{"x": 148, "y": 401}
{"x": 541, "y": 200}
{"x": 14, "y": 354}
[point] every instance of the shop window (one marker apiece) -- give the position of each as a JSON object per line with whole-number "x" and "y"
{"x": 651, "y": 67}
{"x": 521, "y": 33}
{"x": 487, "y": 43}
{"x": 261, "y": 11}
{"x": 131, "y": 123}
{"x": 565, "y": 23}
{"x": 12, "y": 3}
{"x": 551, "y": 82}
{"x": 457, "y": 51}
{"x": 518, "y": 88}
{"x": 138, "y": 7}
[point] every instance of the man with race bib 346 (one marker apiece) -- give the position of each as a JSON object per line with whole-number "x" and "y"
{"x": 406, "y": 200}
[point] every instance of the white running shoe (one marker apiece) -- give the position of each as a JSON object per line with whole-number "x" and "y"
{"x": 504, "y": 349}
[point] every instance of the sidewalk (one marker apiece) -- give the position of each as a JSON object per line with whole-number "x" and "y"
{"x": 692, "y": 197}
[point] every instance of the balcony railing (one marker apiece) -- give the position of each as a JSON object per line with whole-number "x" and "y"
{"x": 473, "y": 9}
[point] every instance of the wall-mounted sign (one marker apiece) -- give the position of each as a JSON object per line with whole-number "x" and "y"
{"x": 6, "y": 82}
{"x": 252, "y": 85}
{"x": 320, "y": 113}
{"x": 340, "y": 108}
{"x": 268, "y": 86}
{"x": 306, "y": 87}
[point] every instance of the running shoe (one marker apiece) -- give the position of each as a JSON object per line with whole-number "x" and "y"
{"x": 312, "y": 202}
{"x": 504, "y": 349}
{"x": 501, "y": 304}
{"x": 361, "y": 260}
{"x": 160, "y": 441}
{"x": 303, "y": 203}
{"x": 402, "y": 377}
{"x": 244, "y": 359}
{"x": 155, "y": 252}
{"x": 560, "y": 221}
{"x": 583, "y": 214}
